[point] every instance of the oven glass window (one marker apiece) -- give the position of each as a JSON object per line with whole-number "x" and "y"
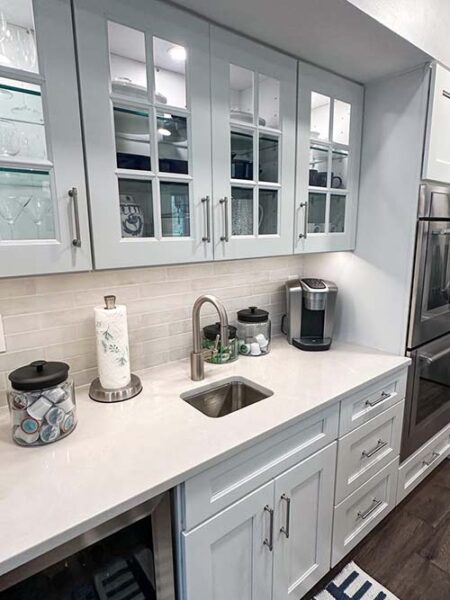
{"x": 434, "y": 388}
{"x": 437, "y": 272}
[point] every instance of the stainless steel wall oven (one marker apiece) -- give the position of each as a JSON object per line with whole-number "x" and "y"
{"x": 428, "y": 344}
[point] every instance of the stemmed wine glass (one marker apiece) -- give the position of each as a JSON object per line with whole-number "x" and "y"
{"x": 38, "y": 207}
{"x": 11, "y": 207}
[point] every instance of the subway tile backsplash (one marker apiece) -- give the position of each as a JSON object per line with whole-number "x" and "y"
{"x": 51, "y": 317}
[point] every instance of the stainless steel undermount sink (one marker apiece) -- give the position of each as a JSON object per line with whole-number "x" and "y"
{"x": 226, "y": 396}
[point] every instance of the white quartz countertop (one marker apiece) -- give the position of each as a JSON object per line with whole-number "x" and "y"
{"x": 123, "y": 454}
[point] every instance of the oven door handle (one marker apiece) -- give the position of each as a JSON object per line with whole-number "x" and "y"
{"x": 431, "y": 358}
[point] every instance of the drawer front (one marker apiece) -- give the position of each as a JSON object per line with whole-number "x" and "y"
{"x": 216, "y": 488}
{"x": 420, "y": 464}
{"x": 360, "y": 407}
{"x": 367, "y": 449}
{"x": 363, "y": 510}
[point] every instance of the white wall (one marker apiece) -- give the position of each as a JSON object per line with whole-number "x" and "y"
{"x": 424, "y": 23}
{"x": 374, "y": 281}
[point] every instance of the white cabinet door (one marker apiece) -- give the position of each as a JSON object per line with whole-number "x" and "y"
{"x": 230, "y": 557}
{"x": 328, "y": 160}
{"x": 303, "y": 524}
{"x": 43, "y": 225}
{"x": 253, "y": 128}
{"x": 436, "y": 165}
{"x": 145, "y": 92}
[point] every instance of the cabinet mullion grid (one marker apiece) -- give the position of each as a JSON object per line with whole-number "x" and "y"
{"x": 36, "y": 166}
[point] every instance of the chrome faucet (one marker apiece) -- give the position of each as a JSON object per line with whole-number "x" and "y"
{"x": 199, "y": 354}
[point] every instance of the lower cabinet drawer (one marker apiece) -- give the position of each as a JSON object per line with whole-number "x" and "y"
{"x": 420, "y": 464}
{"x": 363, "y": 405}
{"x": 367, "y": 449}
{"x": 363, "y": 510}
{"x": 217, "y": 488}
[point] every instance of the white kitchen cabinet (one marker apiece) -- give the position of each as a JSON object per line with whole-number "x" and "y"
{"x": 145, "y": 92}
{"x": 230, "y": 556}
{"x": 436, "y": 164}
{"x": 253, "y": 133}
{"x": 274, "y": 543}
{"x": 329, "y": 130}
{"x": 43, "y": 208}
{"x": 303, "y": 524}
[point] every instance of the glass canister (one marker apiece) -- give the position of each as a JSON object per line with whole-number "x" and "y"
{"x": 41, "y": 403}
{"x": 211, "y": 340}
{"x": 254, "y": 331}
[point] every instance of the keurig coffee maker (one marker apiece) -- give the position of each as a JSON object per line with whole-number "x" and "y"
{"x": 310, "y": 313}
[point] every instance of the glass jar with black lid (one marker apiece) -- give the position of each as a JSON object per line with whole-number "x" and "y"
{"x": 41, "y": 403}
{"x": 211, "y": 341}
{"x": 254, "y": 331}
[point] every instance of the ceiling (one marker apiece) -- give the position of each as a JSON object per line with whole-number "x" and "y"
{"x": 333, "y": 34}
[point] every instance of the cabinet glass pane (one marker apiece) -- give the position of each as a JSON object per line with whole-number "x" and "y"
{"x": 316, "y": 212}
{"x": 241, "y": 155}
{"x": 175, "y": 214}
{"x": 269, "y": 102}
{"x": 337, "y": 213}
{"x": 320, "y": 116}
{"x": 17, "y": 38}
{"x": 22, "y": 131}
{"x": 127, "y": 60}
{"x": 26, "y": 207}
{"x": 241, "y": 94}
{"x": 268, "y": 212}
{"x": 241, "y": 211}
{"x": 339, "y": 169}
{"x": 341, "y": 122}
{"x": 268, "y": 158}
{"x": 172, "y": 143}
{"x": 136, "y": 208}
{"x": 170, "y": 73}
{"x": 132, "y": 131}
{"x": 318, "y": 166}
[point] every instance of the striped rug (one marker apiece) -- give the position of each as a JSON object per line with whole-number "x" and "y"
{"x": 353, "y": 583}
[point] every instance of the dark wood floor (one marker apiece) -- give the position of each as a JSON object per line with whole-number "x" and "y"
{"x": 409, "y": 552}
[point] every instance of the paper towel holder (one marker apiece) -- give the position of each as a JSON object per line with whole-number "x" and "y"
{"x": 100, "y": 394}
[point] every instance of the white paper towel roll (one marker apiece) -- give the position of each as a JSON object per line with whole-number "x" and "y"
{"x": 112, "y": 346}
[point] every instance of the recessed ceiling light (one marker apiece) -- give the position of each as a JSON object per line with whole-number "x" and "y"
{"x": 163, "y": 131}
{"x": 177, "y": 53}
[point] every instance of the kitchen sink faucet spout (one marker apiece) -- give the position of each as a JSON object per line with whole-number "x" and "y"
{"x": 199, "y": 354}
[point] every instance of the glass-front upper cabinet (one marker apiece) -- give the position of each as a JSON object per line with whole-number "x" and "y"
{"x": 144, "y": 74}
{"x": 253, "y": 132}
{"x": 43, "y": 210}
{"x": 328, "y": 159}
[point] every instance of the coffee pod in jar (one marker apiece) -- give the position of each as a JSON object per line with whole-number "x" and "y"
{"x": 42, "y": 403}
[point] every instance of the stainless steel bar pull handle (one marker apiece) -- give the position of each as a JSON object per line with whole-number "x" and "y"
{"x": 366, "y": 513}
{"x": 73, "y": 193}
{"x": 226, "y": 234}
{"x": 206, "y": 203}
{"x": 368, "y": 453}
{"x": 287, "y": 526}
{"x": 304, "y": 235}
{"x": 434, "y": 456}
{"x": 383, "y": 396}
{"x": 269, "y": 541}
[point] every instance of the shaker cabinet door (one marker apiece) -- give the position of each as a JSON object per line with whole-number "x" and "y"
{"x": 303, "y": 525}
{"x": 436, "y": 164}
{"x": 328, "y": 160}
{"x": 43, "y": 208}
{"x": 253, "y": 133}
{"x": 229, "y": 557}
{"x": 144, "y": 75}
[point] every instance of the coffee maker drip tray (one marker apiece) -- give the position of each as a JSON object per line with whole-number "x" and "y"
{"x": 312, "y": 344}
